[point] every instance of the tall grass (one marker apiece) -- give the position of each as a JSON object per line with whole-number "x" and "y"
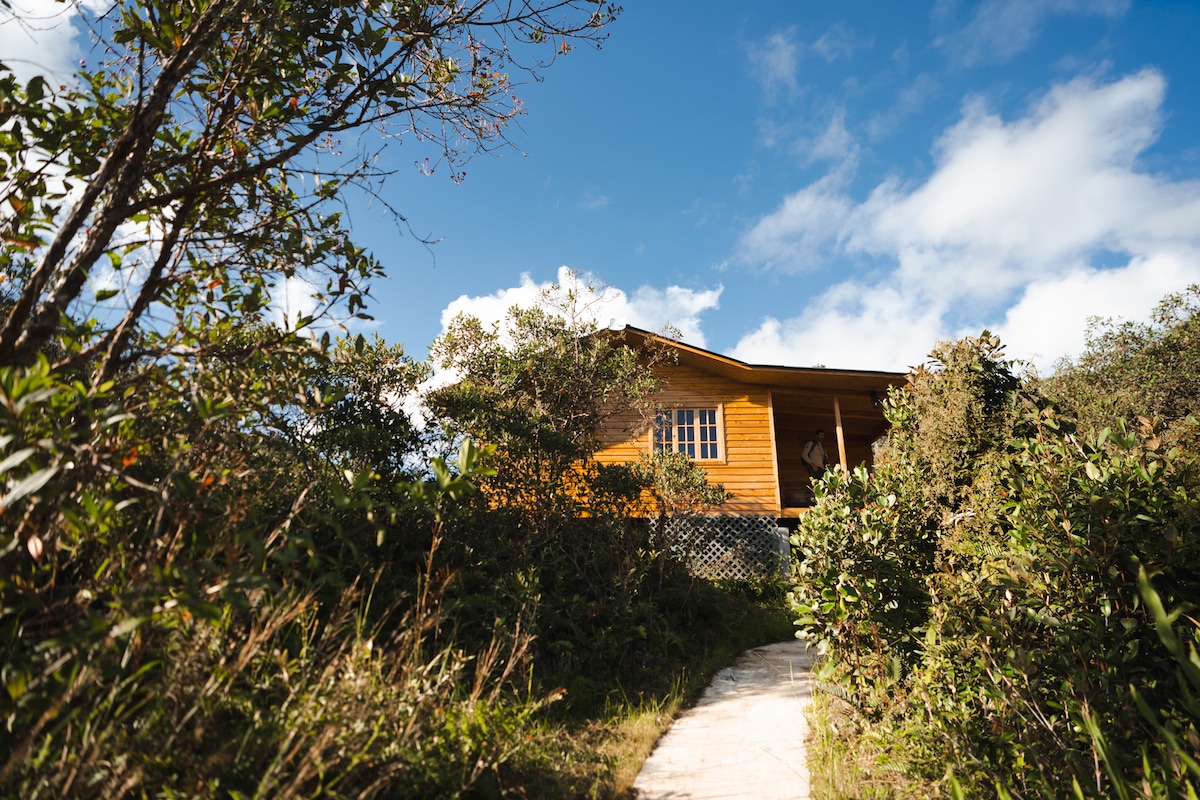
{"x": 290, "y": 698}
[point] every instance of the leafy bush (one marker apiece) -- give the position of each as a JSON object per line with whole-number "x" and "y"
{"x": 979, "y": 593}
{"x": 224, "y": 569}
{"x": 873, "y": 541}
{"x": 1131, "y": 370}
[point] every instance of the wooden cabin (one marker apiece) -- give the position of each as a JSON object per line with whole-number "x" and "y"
{"x": 746, "y": 424}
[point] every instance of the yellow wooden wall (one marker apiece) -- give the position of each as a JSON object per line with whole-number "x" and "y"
{"x": 748, "y": 469}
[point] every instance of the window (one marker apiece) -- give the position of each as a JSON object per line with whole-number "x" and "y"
{"x": 694, "y": 431}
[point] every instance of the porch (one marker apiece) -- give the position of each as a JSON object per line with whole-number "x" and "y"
{"x": 853, "y": 421}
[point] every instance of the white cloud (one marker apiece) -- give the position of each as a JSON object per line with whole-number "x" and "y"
{"x": 653, "y": 309}
{"x": 293, "y": 298}
{"x": 1021, "y": 198}
{"x": 852, "y": 326}
{"x": 798, "y": 235}
{"x": 648, "y": 307}
{"x": 589, "y": 201}
{"x": 834, "y": 144}
{"x": 1050, "y": 319}
{"x": 1028, "y": 225}
{"x": 39, "y": 37}
{"x": 1002, "y": 29}
{"x": 774, "y": 62}
{"x": 837, "y": 42}
{"x": 492, "y": 307}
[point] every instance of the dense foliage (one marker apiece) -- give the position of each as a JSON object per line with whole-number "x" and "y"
{"x": 1005, "y": 600}
{"x": 539, "y": 389}
{"x": 228, "y": 565}
{"x": 1133, "y": 369}
{"x": 551, "y": 538}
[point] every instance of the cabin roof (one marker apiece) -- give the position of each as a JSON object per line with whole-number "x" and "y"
{"x": 814, "y": 379}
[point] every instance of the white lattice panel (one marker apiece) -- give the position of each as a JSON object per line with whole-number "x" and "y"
{"x": 727, "y": 546}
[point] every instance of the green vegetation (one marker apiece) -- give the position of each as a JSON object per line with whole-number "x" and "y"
{"x": 230, "y": 567}
{"x": 1007, "y": 601}
{"x": 264, "y": 596}
{"x": 236, "y": 611}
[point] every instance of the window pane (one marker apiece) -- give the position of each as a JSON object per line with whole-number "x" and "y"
{"x": 682, "y": 430}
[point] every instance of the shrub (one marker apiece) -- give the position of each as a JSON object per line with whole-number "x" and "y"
{"x": 979, "y": 594}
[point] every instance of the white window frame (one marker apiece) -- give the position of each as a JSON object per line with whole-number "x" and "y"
{"x": 697, "y": 431}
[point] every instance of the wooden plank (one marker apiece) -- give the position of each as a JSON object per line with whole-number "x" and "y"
{"x": 745, "y": 479}
{"x": 753, "y": 483}
{"x": 748, "y": 440}
{"x": 786, "y": 394}
{"x": 841, "y": 437}
{"x": 734, "y": 419}
{"x": 742, "y": 497}
{"x": 803, "y": 417}
{"x": 743, "y": 485}
{"x": 741, "y": 477}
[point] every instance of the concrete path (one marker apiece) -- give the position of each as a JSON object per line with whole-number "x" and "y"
{"x": 744, "y": 739}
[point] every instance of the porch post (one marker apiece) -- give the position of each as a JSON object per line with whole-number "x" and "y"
{"x": 841, "y": 436}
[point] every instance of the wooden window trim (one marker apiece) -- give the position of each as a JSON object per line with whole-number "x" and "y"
{"x": 719, "y": 411}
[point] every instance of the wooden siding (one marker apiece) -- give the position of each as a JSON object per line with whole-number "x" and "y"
{"x": 747, "y": 467}
{"x": 768, "y": 413}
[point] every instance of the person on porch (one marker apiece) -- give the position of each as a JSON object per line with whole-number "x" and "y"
{"x": 815, "y": 458}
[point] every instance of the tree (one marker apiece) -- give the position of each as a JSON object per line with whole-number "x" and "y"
{"x": 1133, "y": 369}
{"x": 203, "y": 160}
{"x": 360, "y": 425}
{"x": 199, "y": 167}
{"x": 152, "y": 523}
{"x": 153, "y": 209}
{"x": 680, "y": 486}
{"x": 539, "y": 389}
{"x": 985, "y": 592}
{"x": 874, "y": 541}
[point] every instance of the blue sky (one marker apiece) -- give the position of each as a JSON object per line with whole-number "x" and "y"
{"x": 802, "y": 182}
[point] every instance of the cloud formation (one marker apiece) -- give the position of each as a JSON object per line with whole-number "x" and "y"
{"x": 648, "y": 307}
{"x": 799, "y": 234}
{"x": 837, "y": 42}
{"x": 1028, "y": 225}
{"x": 834, "y": 144}
{"x": 590, "y": 201}
{"x": 774, "y": 62}
{"x": 38, "y": 37}
{"x": 1002, "y": 29}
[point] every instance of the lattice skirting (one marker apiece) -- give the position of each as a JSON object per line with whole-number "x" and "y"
{"x": 727, "y": 546}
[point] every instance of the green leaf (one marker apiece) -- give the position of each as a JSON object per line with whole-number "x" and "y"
{"x": 28, "y": 486}
{"x": 125, "y": 626}
{"x": 16, "y": 458}
{"x": 16, "y": 685}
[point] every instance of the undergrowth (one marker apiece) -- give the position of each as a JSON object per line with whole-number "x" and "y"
{"x": 1007, "y": 602}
